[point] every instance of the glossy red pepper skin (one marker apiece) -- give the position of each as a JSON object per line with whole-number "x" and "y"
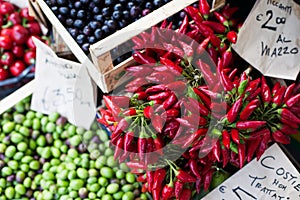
{"x": 174, "y": 49}
{"x": 265, "y": 92}
{"x": 150, "y": 179}
{"x": 241, "y": 154}
{"x": 293, "y": 100}
{"x": 278, "y": 97}
{"x": 119, "y": 148}
{"x": 13, "y": 19}
{"x": 216, "y": 26}
{"x": 7, "y": 58}
{"x": 287, "y": 129}
{"x": 194, "y": 14}
{"x": 186, "y": 194}
{"x": 204, "y": 30}
{"x": 232, "y": 36}
{"x": 226, "y": 139}
{"x": 18, "y": 51}
{"x": 252, "y": 125}
{"x": 135, "y": 165}
{"x": 227, "y": 57}
{"x": 234, "y": 110}
{"x": 17, "y": 68}
{"x": 159, "y": 96}
{"x": 288, "y": 115}
{"x": 203, "y": 45}
{"x": 280, "y": 137}
{"x": 129, "y": 112}
{"x": 19, "y": 34}
{"x": 199, "y": 106}
{"x": 167, "y": 191}
{"x": 184, "y": 177}
{"x": 275, "y": 88}
{"x": 225, "y": 156}
{"x": 263, "y": 145}
{"x": 213, "y": 53}
{"x": 148, "y": 112}
{"x": 249, "y": 109}
{"x": 177, "y": 86}
{"x": 207, "y": 179}
{"x": 6, "y": 8}
{"x": 112, "y": 106}
{"x": 157, "y": 123}
{"x": 24, "y": 13}
{"x": 129, "y": 145}
{"x": 215, "y": 41}
{"x": 29, "y": 57}
{"x": 159, "y": 177}
{"x": 158, "y": 143}
{"x": 184, "y": 25}
{"x": 227, "y": 84}
{"x": 5, "y": 42}
{"x": 252, "y": 86}
{"x": 288, "y": 92}
{"x": 178, "y": 188}
{"x": 177, "y": 70}
{"x": 217, "y": 151}
{"x": 3, "y": 74}
{"x": 221, "y": 18}
{"x": 142, "y": 58}
{"x": 235, "y": 135}
{"x": 142, "y": 147}
{"x": 203, "y": 97}
{"x": 252, "y": 146}
{"x": 206, "y": 72}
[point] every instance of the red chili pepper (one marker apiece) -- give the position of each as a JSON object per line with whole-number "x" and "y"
{"x": 276, "y": 87}
{"x": 140, "y": 95}
{"x": 184, "y": 25}
{"x": 234, "y": 110}
{"x": 194, "y": 14}
{"x": 206, "y": 72}
{"x": 213, "y": 95}
{"x": 235, "y": 135}
{"x": 203, "y": 97}
{"x": 204, "y": 8}
{"x": 119, "y": 148}
{"x": 159, "y": 177}
{"x": 135, "y": 165}
{"x": 221, "y": 18}
{"x": 178, "y": 188}
{"x": 148, "y": 112}
{"x": 213, "y": 53}
{"x": 220, "y": 107}
{"x": 232, "y": 74}
{"x": 156, "y": 193}
{"x": 138, "y": 42}
{"x": 227, "y": 57}
{"x": 293, "y": 100}
{"x": 164, "y": 77}
{"x": 112, "y": 106}
{"x": 249, "y": 109}
{"x": 265, "y": 92}
{"x": 157, "y": 123}
{"x": 129, "y": 112}
{"x": 199, "y": 106}
{"x": 33, "y": 28}
{"x": 5, "y": 42}
{"x": 121, "y": 126}
{"x": 254, "y": 94}
{"x": 177, "y": 70}
{"x": 288, "y": 92}
{"x": 142, "y": 147}
{"x": 279, "y": 137}
{"x": 217, "y": 151}
{"x": 19, "y": 34}
{"x": 159, "y": 96}
{"x": 225, "y": 156}
{"x": 24, "y": 13}
{"x": 263, "y": 145}
{"x": 253, "y": 125}
{"x": 184, "y": 177}
{"x": 187, "y": 49}
{"x": 232, "y": 36}
{"x": 288, "y": 115}
{"x": 142, "y": 178}
{"x": 150, "y": 180}
{"x": 215, "y": 41}
{"x": 177, "y": 86}
{"x": 195, "y": 168}
{"x": 289, "y": 123}
{"x": 143, "y": 58}
{"x": 129, "y": 145}
{"x": 17, "y": 68}
{"x": 216, "y": 26}
{"x": 287, "y": 129}
{"x": 242, "y": 153}
{"x": 204, "y": 30}
{"x": 278, "y": 97}
{"x": 252, "y": 86}
{"x": 226, "y": 139}
{"x": 252, "y": 146}
{"x": 203, "y": 45}
{"x": 227, "y": 84}
{"x": 207, "y": 179}
{"x": 13, "y": 19}
{"x": 158, "y": 143}
{"x": 18, "y": 51}
{"x": 172, "y": 112}
{"x": 30, "y": 42}
{"x": 167, "y": 191}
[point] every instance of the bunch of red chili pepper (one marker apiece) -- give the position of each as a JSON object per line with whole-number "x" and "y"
{"x": 16, "y": 44}
{"x": 218, "y": 114}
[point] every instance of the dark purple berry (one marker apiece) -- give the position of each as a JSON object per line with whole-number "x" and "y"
{"x": 92, "y": 39}
{"x": 81, "y": 14}
{"x": 87, "y": 31}
{"x": 78, "y": 23}
{"x": 78, "y": 5}
{"x": 99, "y": 18}
{"x": 85, "y": 47}
{"x": 69, "y": 22}
{"x": 145, "y": 12}
{"x": 118, "y": 7}
{"x": 117, "y": 15}
{"x": 135, "y": 11}
{"x": 126, "y": 14}
{"x": 106, "y": 12}
{"x": 96, "y": 10}
{"x": 64, "y": 10}
{"x": 98, "y": 33}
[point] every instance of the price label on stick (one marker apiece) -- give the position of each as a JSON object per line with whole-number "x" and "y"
{"x": 62, "y": 86}
{"x": 269, "y": 38}
{"x": 272, "y": 177}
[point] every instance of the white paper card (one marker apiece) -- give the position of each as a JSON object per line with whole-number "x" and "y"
{"x": 20, "y": 3}
{"x": 272, "y": 177}
{"x": 62, "y": 86}
{"x": 269, "y": 39}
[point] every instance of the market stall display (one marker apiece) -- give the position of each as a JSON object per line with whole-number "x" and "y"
{"x": 17, "y": 48}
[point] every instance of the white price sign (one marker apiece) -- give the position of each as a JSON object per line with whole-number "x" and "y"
{"x": 272, "y": 177}
{"x": 62, "y": 86}
{"x": 269, "y": 39}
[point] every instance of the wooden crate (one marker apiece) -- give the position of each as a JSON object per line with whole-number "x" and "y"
{"x": 100, "y": 65}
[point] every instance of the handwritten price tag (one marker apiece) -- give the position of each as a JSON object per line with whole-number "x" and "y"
{"x": 62, "y": 86}
{"x": 272, "y": 177}
{"x": 269, "y": 39}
